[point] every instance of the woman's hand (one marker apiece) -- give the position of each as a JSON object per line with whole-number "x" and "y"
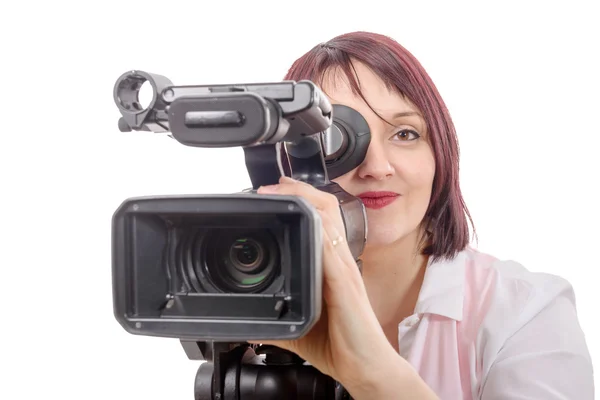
{"x": 347, "y": 343}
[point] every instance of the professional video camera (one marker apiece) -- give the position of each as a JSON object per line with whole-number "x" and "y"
{"x": 218, "y": 270}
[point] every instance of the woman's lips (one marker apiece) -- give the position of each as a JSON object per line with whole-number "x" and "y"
{"x": 377, "y": 200}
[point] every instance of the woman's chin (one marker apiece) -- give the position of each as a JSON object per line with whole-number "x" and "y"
{"x": 384, "y": 234}
{"x": 379, "y": 237}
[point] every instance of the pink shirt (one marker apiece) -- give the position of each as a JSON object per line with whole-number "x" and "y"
{"x": 489, "y": 329}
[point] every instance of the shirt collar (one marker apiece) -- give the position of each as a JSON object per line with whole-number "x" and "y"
{"x": 442, "y": 291}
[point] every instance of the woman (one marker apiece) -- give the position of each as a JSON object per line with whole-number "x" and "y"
{"x": 430, "y": 317}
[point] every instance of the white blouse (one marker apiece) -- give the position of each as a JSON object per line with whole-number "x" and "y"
{"x": 489, "y": 329}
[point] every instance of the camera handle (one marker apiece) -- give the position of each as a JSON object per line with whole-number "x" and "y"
{"x": 239, "y": 371}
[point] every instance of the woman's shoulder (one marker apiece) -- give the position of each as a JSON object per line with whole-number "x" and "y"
{"x": 510, "y": 286}
{"x": 487, "y": 290}
{"x": 512, "y": 332}
{"x": 521, "y": 320}
{"x": 518, "y": 311}
{"x": 504, "y": 295}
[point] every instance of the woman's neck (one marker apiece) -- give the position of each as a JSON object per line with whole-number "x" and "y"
{"x": 393, "y": 275}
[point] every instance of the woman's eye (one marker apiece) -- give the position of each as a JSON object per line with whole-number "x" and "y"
{"x": 406, "y": 135}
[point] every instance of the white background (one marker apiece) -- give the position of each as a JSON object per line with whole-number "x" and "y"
{"x": 521, "y": 80}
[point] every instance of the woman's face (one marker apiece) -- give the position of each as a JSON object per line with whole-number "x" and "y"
{"x": 396, "y": 177}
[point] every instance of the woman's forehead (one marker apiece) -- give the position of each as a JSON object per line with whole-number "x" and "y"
{"x": 384, "y": 100}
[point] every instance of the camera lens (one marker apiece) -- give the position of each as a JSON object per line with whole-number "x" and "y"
{"x": 246, "y": 254}
{"x": 242, "y": 261}
{"x": 246, "y": 264}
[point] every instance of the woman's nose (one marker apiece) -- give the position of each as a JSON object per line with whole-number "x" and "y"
{"x": 376, "y": 164}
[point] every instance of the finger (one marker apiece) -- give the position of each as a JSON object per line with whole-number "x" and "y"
{"x": 318, "y": 198}
{"x": 339, "y": 266}
{"x": 335, "y": 240}
{"x": 338, "y": 239}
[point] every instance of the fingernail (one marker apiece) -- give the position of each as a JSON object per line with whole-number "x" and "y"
{"x": 287, "y": 179}
{"x": 268, "y": 189}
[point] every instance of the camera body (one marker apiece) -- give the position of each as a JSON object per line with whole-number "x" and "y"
{"x": 240, "y": 266}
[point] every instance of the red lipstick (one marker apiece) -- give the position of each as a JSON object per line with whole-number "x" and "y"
{"x": 377, "y": 200}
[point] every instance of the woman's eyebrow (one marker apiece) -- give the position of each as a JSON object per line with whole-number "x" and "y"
{"x": 405, "y": 114}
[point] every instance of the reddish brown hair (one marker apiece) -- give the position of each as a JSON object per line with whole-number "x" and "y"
{"x": 401, "y": 71}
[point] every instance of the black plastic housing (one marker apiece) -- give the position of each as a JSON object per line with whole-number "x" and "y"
{"x": 162, "y": 280}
